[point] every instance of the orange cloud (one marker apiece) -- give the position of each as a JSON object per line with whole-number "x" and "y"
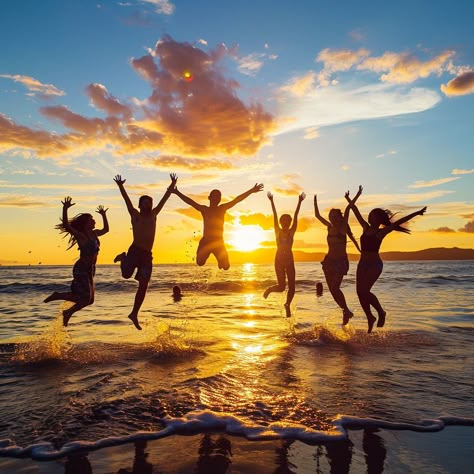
{"x": 175, "y": 162}
{"x": 460, "y": 85}
{"x": 342, "y": 59}
{"x": 468, "y": 227}
{"x": 34, "y": 85}
{"x": 198, "y": 118}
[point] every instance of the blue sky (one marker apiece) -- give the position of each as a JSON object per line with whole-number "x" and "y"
{"x": 302, "y": 96}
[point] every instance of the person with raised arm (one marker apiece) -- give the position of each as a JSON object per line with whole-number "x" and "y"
{"x": 285, "y": 229}
{"x": 212, "y": 241}
{"x": 378, "y": 225}
{"x": 336, "y": 263}
{"x": 139, "y": 255}
{"x": 82, "y": 232}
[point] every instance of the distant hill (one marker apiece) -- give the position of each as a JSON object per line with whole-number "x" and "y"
{"x": 440, "y": 253}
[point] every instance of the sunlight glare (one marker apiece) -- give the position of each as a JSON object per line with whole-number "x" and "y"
{"x": 247, "y": 237}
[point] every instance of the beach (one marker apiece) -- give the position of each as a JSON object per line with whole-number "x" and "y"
{"x": 222, "y": 381}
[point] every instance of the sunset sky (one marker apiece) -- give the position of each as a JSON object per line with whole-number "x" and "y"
{"x": 301, "y": 96}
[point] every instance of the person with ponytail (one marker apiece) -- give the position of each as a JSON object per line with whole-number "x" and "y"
{"x": 81, "y": 231}
{"x": 378, "y": 225}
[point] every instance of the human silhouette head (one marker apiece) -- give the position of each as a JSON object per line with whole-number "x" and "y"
{"x": 215, "y": 197}
{"x": 177, "y": 292}
{"x": 285, "y": 221}
{"x": 145, "y": 204}
{"x": 378, "y": 217}
{"x": 335, "y": 216}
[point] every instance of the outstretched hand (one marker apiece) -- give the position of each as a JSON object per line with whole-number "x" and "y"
{"x": 270, "y": 196}
{"x": 67, "y": 203}
{"x": 422, "y": 211}
{"x": 118, "y": 179}
{"x": 302, "y": 197}
{"x": 101, "y": 210}
{"x": 174, "y": 180}
{"x": 257, "y": 188}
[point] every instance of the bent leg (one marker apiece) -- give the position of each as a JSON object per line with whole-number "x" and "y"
{"x": 222, "y": 257}
{"x": 139, "y": 298}
{"x": 280, "y": 286}
{"x": 202, "y": 253}
{"x": 291, "y": 276}
{"x": 366, "y": 278}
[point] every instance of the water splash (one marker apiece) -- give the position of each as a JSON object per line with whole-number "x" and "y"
{"x": 54, "y": 344}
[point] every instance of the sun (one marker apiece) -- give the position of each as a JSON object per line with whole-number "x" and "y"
{"x": 246, "y": 238}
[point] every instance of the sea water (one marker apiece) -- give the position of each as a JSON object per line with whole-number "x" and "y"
{"x": 224, "y": 359}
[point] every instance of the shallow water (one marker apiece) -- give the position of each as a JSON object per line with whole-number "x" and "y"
{"x": 223, "y": 358}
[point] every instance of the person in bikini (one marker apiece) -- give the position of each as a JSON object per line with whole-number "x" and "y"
{"x": 285, "y": 231}
{"x": 378, "y": 225}
{"x": 212, "y": 241}
{"x": 82, "y": 232}
{"x": 139, "y": 255}
{"x": 335, "y": 263}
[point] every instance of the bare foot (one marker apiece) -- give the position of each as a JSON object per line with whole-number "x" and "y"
{"x": 120, "y": 257}
{"x": 67, "y": 316}
{"x": 381, "y": 321}
{"x": 266, "y": 293}
{"x": 346, "y": 315}
{"x": 52, "y": 297}
{"x": 287, "y": 309}
{"x": 134, "y": 319}
{"x": 371, "y": 321}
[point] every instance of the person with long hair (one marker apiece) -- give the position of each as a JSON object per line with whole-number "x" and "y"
{"x": 336, "y": 263}
{"x": 378, "y": 225}
{"x": 285, "y": 229}
{"x": 82, "y": 232}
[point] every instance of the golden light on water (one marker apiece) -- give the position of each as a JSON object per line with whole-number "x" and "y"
{"x": 246, "y": 238}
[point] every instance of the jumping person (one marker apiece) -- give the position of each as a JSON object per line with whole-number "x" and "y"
{"x": 284, "y": 261}
{"x": 370, "y": 264}
{"x": 139, "y": 255}
{"x": 82, "y": 232}
{"x": 335, "y": 263}
{"x": 212, "y": 241}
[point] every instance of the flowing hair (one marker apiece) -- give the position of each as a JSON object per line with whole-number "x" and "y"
{"x": 78, "y": 223}
{"x": 385, "y": 216}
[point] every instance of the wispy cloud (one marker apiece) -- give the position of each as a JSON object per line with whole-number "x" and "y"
{"x": 457, "y": 171}
{"x": 35, "y": 86}
{"x": 164, "y": 7}
{"x": 432, "y": 183}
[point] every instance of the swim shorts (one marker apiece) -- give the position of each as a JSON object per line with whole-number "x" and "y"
{"x": 83, "y": 280}
{"x": 335, "y": 265}
{"x": 140, "y": 259}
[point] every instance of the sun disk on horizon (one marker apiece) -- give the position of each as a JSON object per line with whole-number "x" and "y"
{"x": 247, "y": 237}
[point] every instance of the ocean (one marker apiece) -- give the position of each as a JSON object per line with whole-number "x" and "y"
{"x": 222, "y": 381}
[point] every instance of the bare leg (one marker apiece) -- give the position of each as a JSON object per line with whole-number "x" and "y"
{"x": 120, "y": 257}
{"x": 334, "y": 281}
{"x": 67, "y": 313}
{"x": 365, "y": 280}
{"x": 291, "y": 276}
{"x": 280, "y": 287}
{"x": 66, "y": 296}
{"x": 139, "y": 297}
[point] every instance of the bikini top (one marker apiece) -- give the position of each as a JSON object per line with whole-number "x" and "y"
{"x": 285, "y": 239}
{"x": 336, "y": 238}
{"x": 90, "y": 248}
{"x": 370, "y": 242}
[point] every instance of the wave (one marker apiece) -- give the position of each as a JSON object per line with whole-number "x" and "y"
{"x": 205, "y": 421}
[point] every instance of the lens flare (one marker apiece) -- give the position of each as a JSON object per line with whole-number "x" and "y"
{"x": 188, "y": 76}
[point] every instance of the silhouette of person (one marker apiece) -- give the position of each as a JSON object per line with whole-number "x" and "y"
{"x": 177, "y": 294}
{"x": 335, "y": 263}
{"x": 370, "y": 265}
{"x": 284, "y": 261}
{"x": 77, "y": 464}
{"x": 339, "y": 454}
{"x": 212, "y": 241}
{"x": 81, "y": 231}
{"x": 139, "y": 255}
{"x": 319, "y": 289}
{"x": 214, "y": 456}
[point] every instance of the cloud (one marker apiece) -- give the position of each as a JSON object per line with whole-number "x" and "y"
{"x": 457, "y": 171}
{"x": 430, "y": 184}
{"x": 468, "y": 227}
{"x": 35, "y": 86}
{"x": 175, "y": 162}
{"x": 164, "y": 7}
{"x": 446, "y": 230}
{"x": 311, "y": 133}
{"x": 342, "y": 59}
{"x": 9, "y": 200}
{"x": 251, "y": 64}
{"x": 460, "y": 85}
{"x": 103, "y": 100}
{"x": 300, "y": 86}
{"x": 325, "y": 106}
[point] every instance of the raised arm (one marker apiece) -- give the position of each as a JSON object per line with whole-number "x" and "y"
{"x": 186, "y": 199}
{"x": 105, "y": 228}
{"x": 348, "y": 207}
{"x": 294, "y": 225}
{"x": 169, "y": 190}
{"x": 402, "y": 220}
{"x": 355, "y": 209}
{"x": 67, "y": 203}
{"x": 255, "y": 189}
{"x": 351, "y": 236}
{"x": 276, "y": 226}
{"x": 318, "y": 215}
{"x": 120, "y": 183}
